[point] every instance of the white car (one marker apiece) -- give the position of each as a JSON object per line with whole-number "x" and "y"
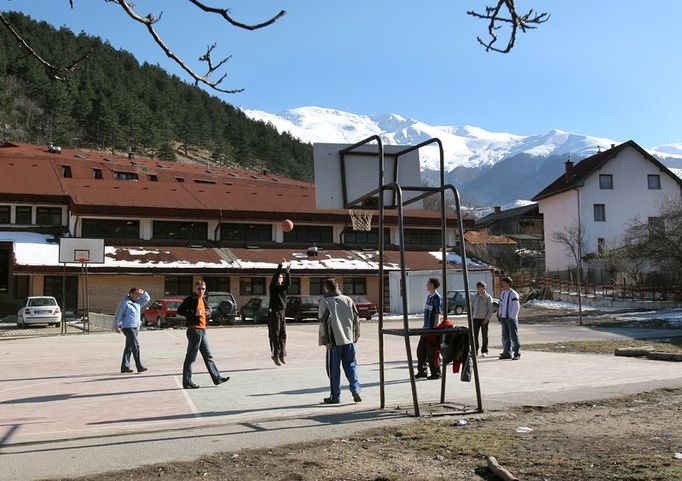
{"x": 39, "y": 310}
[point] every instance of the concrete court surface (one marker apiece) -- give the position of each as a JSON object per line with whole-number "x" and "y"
{"x": 66, "y": 410}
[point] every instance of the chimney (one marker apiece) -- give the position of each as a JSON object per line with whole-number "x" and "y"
{"x": 613, "y": 145}
{"x": 497, "y": 209}
{"x": 569, "y": 170}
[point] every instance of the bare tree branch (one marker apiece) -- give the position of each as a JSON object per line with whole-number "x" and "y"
{"x": 149, "y": 20}
{"x": 225, "y": 13}
{"x": 496, "y": 16}
{"x": 53, "y": 70}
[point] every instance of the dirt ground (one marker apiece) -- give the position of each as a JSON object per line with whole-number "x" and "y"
{"x": 630, "y": 438}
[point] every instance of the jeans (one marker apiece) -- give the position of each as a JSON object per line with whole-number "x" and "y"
{"x": 132, "y": 347}
{"x": 426, "y": 356}
{"x": 480, "y": 325}
{"x": 277, "y": 332}
{"x": 510, "y": 336}
{"x": 342, "y": 355}
{"x": 198, "y": 342}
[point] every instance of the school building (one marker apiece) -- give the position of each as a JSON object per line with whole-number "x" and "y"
{"x": 166, "y": 224}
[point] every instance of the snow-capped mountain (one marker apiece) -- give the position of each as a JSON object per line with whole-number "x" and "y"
{"x": 485, "y": 164}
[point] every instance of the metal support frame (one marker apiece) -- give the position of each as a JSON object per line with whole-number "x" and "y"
{"x": 398, "y": 202}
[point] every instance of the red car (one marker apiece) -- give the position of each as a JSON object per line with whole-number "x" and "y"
{"x": 366, "y": 308}
{"x": 163, "y": 313}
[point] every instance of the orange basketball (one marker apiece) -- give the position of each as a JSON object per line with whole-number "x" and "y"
{"x": 287, "y": 225}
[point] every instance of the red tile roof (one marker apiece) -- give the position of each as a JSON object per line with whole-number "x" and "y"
{"x": 36, "y": 175}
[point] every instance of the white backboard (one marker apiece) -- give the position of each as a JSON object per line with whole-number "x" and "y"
{"x": 72, "y": 250}
{"x": 361, "y": 174}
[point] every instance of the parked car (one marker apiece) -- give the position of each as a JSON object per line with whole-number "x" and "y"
{"x": 223, "y": 307}
{"x": 366, "y": 308}
{"x": 256, "y": 308}
{"x": 39, "y": 310}
{"x": 302, "y": 307}
{"x": 163, "y": 313}
{"x": 457, "y": 301}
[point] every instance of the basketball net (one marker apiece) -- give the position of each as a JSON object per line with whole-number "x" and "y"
{"x": 361, "y": 219}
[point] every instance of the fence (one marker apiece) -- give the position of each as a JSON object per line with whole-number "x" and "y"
{"x": 648, "y": 287}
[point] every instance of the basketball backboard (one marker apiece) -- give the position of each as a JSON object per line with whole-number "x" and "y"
{"x": 77, "y": 250}
{"x": 358, "y": 172}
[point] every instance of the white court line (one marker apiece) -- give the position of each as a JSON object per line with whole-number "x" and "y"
{"x": 192, "y": 407}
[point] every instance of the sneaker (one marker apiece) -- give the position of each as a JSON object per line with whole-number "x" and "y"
{"x": 191, "y": 386}
{"x": 143, "y": 369}
{"x": 281, "y": 359}
{"x": 222, "y": 380}
{"x": 435, "y": 375}
{"x": 356, "y": 397}
{"x": 505, "y": 356}
{"x": 420, "y": 375}
{"x": 484, "y": 354}
{"x": 516, "y": 357}
{"x": 275, "y": 359}
{"x": 331, "y": 400}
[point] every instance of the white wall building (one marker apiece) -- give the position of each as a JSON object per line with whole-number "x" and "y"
{"x": 604, "y": 194}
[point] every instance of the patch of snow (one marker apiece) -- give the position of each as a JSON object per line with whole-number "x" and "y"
{"x": 557, "y": 305}
{"x": 454, "y": 258}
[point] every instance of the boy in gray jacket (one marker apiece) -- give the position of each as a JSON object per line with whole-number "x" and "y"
{"x": 482, "y": 312}
{"x": 339, "y": 331}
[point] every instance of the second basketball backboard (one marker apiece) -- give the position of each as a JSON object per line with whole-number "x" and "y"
{"x": 342, "y": 177}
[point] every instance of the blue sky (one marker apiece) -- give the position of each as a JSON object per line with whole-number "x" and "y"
{"x": 608, "y": 68}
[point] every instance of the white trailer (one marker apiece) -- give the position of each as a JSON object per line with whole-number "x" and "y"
{"x": 416, "y": 286}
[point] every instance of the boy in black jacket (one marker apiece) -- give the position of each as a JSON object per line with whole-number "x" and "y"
{"x": 277, "y": 328}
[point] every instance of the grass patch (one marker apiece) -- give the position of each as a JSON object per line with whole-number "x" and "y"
{"x": 673, "y": 345}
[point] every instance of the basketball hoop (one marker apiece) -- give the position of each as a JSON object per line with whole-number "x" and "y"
{"x": 361, "y": 219}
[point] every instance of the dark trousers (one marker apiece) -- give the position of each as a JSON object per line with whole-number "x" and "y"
{"x": 132, "y": 347}
{"x": 277, "y": 332}
{"x": 426, "y": 356}
{"x": 198, "y": 342}
{"x": 344, "y": 356}
{"x": 481, "y": 325}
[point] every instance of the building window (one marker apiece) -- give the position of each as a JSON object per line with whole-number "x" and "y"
{"x": 246, "y": 232}
{"x": 23, "y": 215}
{"x": 125, "y": 175}
{"x": 295, "y": 287}
{"x": 49, "y": 215}
{"x": 180, "y": 230}
{"x": 152, "y": 178}
{"x": 316, "y": 286}
{"x": 599, "y": 212}
{"x": 217, "y": 284}
{"x": 97, "y": 174}
{"x": 656, "y": 223}
{"x": 354, "y": 285}
{"x": 5, "y": 214}
{"x": 605, "y": 181}
{"x": 422, "y": 237}
{"x": 252, "y": 286}
{"x": 371, "y": 237}
{"x": 310, "y": 234}
{"x": 601, "y": 245}
{"x": 180, "y": 179}
{"x": 654, "y": 181}
{"x": 110, "y": 228}
{"x": 178, "y": 286}
{"x": 52, "y": 286}
{"x": 66, "y": 171}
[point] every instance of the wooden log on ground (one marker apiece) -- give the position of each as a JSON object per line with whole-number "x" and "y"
{"x": 633, "y": 351}
{"x": 664, "y": 356}
{"x": 499, "y": 471}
